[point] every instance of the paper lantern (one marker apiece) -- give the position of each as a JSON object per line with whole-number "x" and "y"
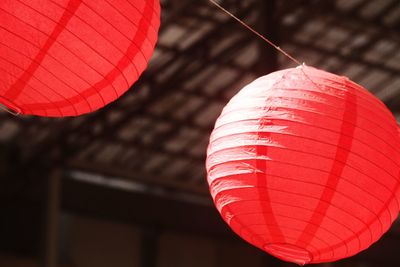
{"x": 69, "y": 57}
{"x": 304, "y": 165}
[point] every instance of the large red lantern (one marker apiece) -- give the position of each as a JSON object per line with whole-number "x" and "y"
{"x": 304, "y": 165}
{"x": 69, "y": 57}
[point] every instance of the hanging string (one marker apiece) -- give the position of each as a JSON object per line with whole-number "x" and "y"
{"x": 256, "y": 33}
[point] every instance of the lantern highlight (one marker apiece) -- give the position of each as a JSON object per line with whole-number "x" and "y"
{"x": 70, "y": 57}
{"x": 305, "y": 164}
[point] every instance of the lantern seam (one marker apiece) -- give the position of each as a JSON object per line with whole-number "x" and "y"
{"x": 241, "y": 224}
{"x": 316, "y": 155}
{"x": 390, "y": 198}
{"x": 257, "y": 115}
{"x": 290, "y": 237}
{"x": 311, "y": 125}
{"x": 155, "y": 30}
{"x": 122, "y": 34}
{"x": 36, "y": 90}
{"x": 97, "y": 91}
{"x": 262, "y": 181}
{"x": 139, "y": 73}
{"x": 297, "y": 219}
{"x": 73, "y": 15}
{"x": 358, "y": 89}
{"x": 286, "y": 236}
{"x": 223, "y": 146}
{"x": 307, "y": 196}
{"x": 334, "y": 179}
{"x": 232, "y": 182}
{"x": 366, "y": 102}
{"x": 147, "y": 3}
{"x": 373, "y": 213}
{"x": 13, "y": 91}
{"x": 363, "y": 94}
{"x": 303, "y": 258}
{"x": 27, "y": 95}
{"x": 380, "y": 212}
{"x": 388, "y": 120}
{"x": 34, "y": 76}
{"x": 33, "y": 60}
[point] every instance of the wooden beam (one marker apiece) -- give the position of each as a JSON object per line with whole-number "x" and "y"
{"x": 52, "y": 220}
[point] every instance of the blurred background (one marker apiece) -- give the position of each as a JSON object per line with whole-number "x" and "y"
{"x": 126, "y": 186}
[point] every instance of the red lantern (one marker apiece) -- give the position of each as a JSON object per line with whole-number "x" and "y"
{"x": 66, "y": 58}
{"x": 305, "y": 165}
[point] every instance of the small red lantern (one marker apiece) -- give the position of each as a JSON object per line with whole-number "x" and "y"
{"x": 66, "y": 58}
{"x": 305, "y": 165}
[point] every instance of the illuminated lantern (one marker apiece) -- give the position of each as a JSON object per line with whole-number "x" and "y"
{"x": 70, "y": 57}
{"x": 304, "y": 165}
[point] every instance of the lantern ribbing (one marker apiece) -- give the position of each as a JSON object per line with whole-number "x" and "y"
{"x": 305, "y": 165}
{"x": 73, "y": 57}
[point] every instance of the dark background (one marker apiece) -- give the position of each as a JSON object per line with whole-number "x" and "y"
{"x": 126, "y": 186}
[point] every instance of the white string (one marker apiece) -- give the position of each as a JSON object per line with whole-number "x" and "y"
{"x": 8, "y": 110}
{"x": 256, "y": 33}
